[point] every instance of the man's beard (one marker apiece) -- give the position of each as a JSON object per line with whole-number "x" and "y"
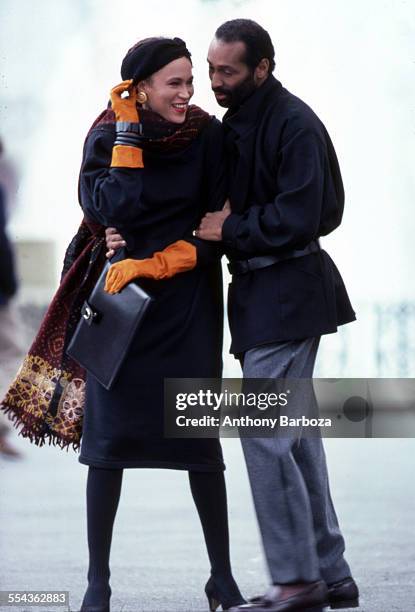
{"x": 236, "y": 95}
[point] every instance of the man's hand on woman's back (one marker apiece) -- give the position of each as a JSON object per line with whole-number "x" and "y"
{"x": 114, "y": 241}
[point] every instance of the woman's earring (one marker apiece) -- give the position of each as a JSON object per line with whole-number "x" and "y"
{"x": 142, "y": 97}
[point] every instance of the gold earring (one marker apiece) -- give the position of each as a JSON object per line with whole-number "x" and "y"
{"x": 142, "y": 97}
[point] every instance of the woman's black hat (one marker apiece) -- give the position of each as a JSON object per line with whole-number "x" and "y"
{"x": 149, "y": 56}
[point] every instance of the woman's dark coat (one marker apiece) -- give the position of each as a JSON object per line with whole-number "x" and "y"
{"x": 181, "y": 335}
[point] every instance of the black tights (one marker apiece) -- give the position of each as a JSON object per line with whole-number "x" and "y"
{"x": 103, "y": 494}
{"x": 209, "y": 494}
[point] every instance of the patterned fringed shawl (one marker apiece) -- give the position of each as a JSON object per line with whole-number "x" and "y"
{"x": 47, "y": 397}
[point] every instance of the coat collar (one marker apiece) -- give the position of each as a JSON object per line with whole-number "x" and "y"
{"x": 245, "y": 117}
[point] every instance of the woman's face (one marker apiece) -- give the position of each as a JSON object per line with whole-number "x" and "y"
{"x": 169, "y": 90}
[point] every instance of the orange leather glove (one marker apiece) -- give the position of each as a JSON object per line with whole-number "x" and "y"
{"x": 177, "y": 257}
{"x": 125, "y": 109}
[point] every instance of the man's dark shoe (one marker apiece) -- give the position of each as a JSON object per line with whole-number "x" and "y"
{"x": 312, "y": 597}
{"x": 343, "y": 594}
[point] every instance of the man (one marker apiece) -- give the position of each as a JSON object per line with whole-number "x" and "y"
{"x": 285, "y": 192}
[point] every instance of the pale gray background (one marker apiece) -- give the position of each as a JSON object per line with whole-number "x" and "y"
{"x": 353, "y": 62}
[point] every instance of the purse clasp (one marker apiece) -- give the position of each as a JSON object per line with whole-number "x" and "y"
{"x": 88, "y": 313}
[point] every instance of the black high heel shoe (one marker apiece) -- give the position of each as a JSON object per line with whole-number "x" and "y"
{"x": 96, "y": 607}
{"x": 218, "y": 597}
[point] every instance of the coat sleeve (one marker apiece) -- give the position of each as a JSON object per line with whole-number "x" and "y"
{"x": 216, "y": 189}
{"x": 215, "y": 192}
{"x": 292, "y": 219}
{"x": 109, "y": 196}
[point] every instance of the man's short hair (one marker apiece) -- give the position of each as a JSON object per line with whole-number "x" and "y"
{"x": 257, "y": 40}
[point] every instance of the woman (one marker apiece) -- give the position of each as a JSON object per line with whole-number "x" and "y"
{"x": 152, "y": 167}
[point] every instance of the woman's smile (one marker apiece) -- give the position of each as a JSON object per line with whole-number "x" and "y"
{"x": 180, "y": 107}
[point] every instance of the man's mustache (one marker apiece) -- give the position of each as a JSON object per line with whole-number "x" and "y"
{"x": 220, "y": 90}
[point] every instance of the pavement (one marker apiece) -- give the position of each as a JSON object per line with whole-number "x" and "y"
{"x": 158, "y": 559}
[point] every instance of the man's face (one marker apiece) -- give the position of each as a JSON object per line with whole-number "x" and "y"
{"x": 231, "y": 78}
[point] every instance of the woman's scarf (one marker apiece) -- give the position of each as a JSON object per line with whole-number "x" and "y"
{"x": 46, "y": 399}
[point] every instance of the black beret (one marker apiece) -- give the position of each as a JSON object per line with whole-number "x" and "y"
{"x": 145, "y": 58}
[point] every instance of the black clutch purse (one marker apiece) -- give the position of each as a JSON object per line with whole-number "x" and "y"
{"x": 106, "y": 329}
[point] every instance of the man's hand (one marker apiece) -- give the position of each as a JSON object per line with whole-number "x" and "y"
{"x": 114, "y": 241}
{"x": 210, "y": 227}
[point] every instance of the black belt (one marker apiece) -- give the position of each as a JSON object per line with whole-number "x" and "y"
{"x": 255, "y": 263}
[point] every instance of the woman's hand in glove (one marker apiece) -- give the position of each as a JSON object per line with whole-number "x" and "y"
{"x": 126, "y": 152}
{"x": 177, "y": 257}
{"x": 125, "y": 109}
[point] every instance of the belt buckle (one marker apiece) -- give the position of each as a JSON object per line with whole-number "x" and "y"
{"x": 240, "y": 266}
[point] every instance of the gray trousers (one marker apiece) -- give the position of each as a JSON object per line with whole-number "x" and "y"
{"x": 289, "y": 482}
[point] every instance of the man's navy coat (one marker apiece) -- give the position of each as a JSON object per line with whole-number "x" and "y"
{"x": 286, "y": 190}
